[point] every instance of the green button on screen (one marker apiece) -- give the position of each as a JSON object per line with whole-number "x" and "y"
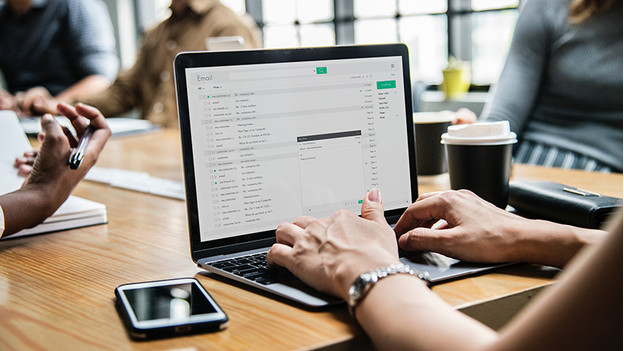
{"x": 386, "y": 84}
{"x": 321, "y": 70}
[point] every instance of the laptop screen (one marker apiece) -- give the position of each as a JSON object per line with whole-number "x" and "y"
{"x": 272, "y": 141}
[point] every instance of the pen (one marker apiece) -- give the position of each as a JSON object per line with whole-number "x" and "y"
{"x": 76, "y": 156}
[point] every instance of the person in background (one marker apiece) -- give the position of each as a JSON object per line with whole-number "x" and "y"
{"x": 561, "y": 86}
{"x": 51, "y": 180}
{"x": 583, "y": 311}
{"x": 149, "y": 84}
{"x": 54, "y": 50}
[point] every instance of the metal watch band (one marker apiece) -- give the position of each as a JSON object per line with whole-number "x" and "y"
{"x": 362, "y": 284}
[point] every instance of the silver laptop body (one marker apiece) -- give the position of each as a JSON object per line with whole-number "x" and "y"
{"x": 269, "y": 135}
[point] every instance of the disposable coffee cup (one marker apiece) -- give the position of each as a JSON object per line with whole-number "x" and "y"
{"x": 479, "y": 159}
{"x": 430, "y": 154}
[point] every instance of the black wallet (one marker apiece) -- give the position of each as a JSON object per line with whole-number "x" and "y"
{"x": 561, "y": 203}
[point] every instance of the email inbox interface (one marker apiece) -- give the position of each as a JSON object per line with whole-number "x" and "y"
{"x": 275, "y": 141}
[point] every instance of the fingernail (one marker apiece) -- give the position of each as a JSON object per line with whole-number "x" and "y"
{"x": 374, "y": 196}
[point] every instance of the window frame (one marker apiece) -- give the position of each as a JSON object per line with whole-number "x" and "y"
{"x": 458, "y": 14}
{"x": 459, "y": 19}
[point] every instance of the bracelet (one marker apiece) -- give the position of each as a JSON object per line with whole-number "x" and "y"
{"x": 362, "y": 284}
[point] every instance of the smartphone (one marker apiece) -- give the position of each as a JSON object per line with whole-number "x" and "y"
{"x": 166, "y": 308}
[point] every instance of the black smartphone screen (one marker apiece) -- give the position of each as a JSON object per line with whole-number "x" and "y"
{"x": 174, "y": 302}
{"x": 168, "y": 307}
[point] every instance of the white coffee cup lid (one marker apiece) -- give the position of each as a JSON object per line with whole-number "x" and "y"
{"x": 482, "y": 133}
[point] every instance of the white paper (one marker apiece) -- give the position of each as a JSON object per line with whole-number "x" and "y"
{"x": 137, "y": 181}
{"x": 75, "y": 212}
{"x": 119, "y": 126}
{"x": 13, "y": 144}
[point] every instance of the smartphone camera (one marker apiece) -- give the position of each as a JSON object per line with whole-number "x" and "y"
{"x": 166, "y": 308}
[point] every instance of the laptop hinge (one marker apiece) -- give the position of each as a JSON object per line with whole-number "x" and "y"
{"x": 234, "y": 248}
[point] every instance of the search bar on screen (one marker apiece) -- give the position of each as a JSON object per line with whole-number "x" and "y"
{"x": 273, "y": 73}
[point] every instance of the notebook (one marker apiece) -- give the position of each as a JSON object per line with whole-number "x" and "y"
{"x": 269, "y": 135}
{"x": 73, "y": 213}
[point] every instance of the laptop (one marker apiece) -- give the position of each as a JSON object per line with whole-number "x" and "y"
{"x": 270, "y": 135}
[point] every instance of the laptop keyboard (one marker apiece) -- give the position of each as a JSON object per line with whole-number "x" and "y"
{"x": 255, "y": 268}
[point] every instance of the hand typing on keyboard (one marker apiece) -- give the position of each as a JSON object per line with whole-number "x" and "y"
{"x": 329, "y": 253}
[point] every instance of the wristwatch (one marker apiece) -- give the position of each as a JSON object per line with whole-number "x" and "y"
{"x": 362, "y": 284}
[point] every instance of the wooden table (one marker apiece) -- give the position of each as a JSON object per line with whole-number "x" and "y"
{"x": 56, "y": 290}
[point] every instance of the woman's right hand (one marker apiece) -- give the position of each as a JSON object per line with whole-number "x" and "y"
{"x": 50, "y": 170}
{"x": 470, "y": 228}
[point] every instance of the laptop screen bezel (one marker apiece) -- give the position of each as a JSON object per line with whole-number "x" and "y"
{"x": 187, "y": 60}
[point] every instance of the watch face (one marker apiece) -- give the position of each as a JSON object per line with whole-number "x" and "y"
{"x": 359, "y": 284}
{"x": 357, "y": 289}
{"x": 365, "y": 279}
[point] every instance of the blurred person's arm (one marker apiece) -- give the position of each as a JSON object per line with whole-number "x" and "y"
{"x": 25, "y": 162}
{"x": 7, "y": 100}
{"x": 51, "y": 180}
{"x": 124, "y": 93}
{"x": 93, "y": 50}
{"x": 38, "y": 100}
{"x": 513, "y": 97}
{"x": 464, "y": 116}
{"x": 83, "y": 88}
{"x": 121, "y": 96}
{"x": 92, "y": 54}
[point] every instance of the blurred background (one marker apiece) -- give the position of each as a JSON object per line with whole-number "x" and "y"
{"x": 477, "y": 31}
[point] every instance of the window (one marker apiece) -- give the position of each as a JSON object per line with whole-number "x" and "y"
{"x": 478, "y": 31}
{"x": 298, "y": 23}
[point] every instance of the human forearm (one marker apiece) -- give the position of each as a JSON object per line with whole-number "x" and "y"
{"x": 7, "y": 101}
{"x": 119, "y": 97}
{"x": 517, "y": 89}
{"x": 549, "y": 243}
{"x": 38, "y": 100}
{"x": 401, "y": 313}
{"x": 583, "y": 311}
{"x": 83, "y": 88}
{"x": 25, "y": 208}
